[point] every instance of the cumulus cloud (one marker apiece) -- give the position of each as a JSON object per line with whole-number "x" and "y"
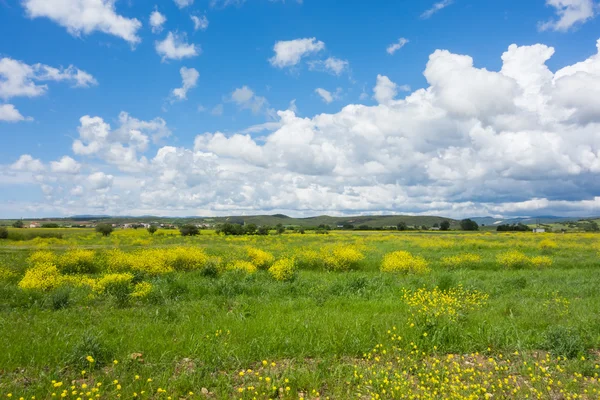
{"x": 200, "y": 23}
{"x": 18, "y": 79}
{"x": 245, "y": 98}
{"x": 8, "y": 113}
{"x": 394, "y": 47}
{"x": 570, "y": 14}
{"x": 436, "y": 8}
{"x": 175, "y": 47}
{"x": 289, "y": 53}
{"x": 86, "y": 16}
{"x": 189, "y": 77}
{"x": 157, "y": 21}
{"x": 332, "y": 65}
{"x": 521, "y": 140}
{"x": 66, "y": 165}
{"x": 183, "y": 3}
{"x": 327, "y": 96}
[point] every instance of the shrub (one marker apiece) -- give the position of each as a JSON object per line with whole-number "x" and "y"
{"x": 309, "y": 259}
{"x": 244, "y": 266}
{"x": 469, "y": 225}
{"x": 152, "y": 229}
{"x": 547, "y": 245}
{"x": 43, "y": 276}
{"x": 104, "y": 229}
{"x": 260, "y": 258}
{"x": 41, "y": 257}
{"x": 185, "y": 258}
{"x": 513, "y": 259}
{"x": 113, "y": 283}
{"x": 6, "y": 274}
{"x": 342, "y": 258}
{"x": 189, "y": 230}
{"x": 466, "y": 260}
{"x": 60, "y": 298}
{"x": 541, "y": 262}
{"x": 404, "y": 262}
{"x": 3, "y": 233}
{"x": 90, "y": 345}
{"x": 283, "y": 270}
{"x": 141, "y": 290}
{"x": 78, "y": 261}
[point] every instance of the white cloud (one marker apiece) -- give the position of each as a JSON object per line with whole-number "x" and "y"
{"x": 18, "y": 79}
{"x": 385, "y": 90}
{"x": 325, "y": 95}
{"x": 157, "y": 21}
{"x": 8, "y": 113}
{"x": 189, "y": 77}
{"x": 217, "y": 110}
{"x": 332, "y": 65}
{"x": 65, "y": 165}
{"x": 200, "y": 23}
{"x": 394, "y": 47}
{"x": 520, "y": 140}
{"x": 27, "y": 163}
{"x": 436, "y": 8}
{"x": 226, "y": 3}
{"x": 245, "y": 98}
{"x": 570, "y": 12}
{"x": 85, "y": 16}
{"x": 100, "y": 181}
{"x": 289, "y": 53}
{"x": 183, "y": 3}
{"x": 175, "y": 47}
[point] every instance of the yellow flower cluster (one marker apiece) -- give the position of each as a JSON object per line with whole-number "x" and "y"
{"x": 342, "y": 258}
{"x": 548, "y": 245}
{"x": 466, "y": 260}
{"x": 514, "y": 259}
{"x": 241, "y": 265}
{"x": 141, "y": 290}
{"x": 283, "y": 269}
{"x": 157, "y": 261}
{"x": 77, "y": 261}
{"x": 42, "y": 257}
{"x": 260, "y": 258}
{"x": 433, "y": 304}
{"x": 402, "y": 370}
{"x": 42, "y": 276}
{"x": 404, "y": 262}
{"x": 111, "y": 280}
{"x": 5, "y": 273}
{"x": 308, "y": 259}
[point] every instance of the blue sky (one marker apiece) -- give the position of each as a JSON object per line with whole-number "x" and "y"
{"x": 239, "y": 79}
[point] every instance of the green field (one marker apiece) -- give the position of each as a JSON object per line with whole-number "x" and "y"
{"x": 463, "y": 315}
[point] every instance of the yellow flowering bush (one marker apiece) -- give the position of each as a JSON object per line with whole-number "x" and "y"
{"x": 308, "y": 259}
{"x": 77, "y": 261}
{"x": 241, "y": 265}
{"x": 342, "y": 258}
{"x": 548, "y": 245}
{"x": 513, "y": 259}
{"x": 541, "y": 261}
{"x": 283, "y": 269}
{"x": 42, "y": 276}
{"x": 111, "y": 280}
{"x": 6, "y": 274}
{"x": 467, "y": 260}
{"x": 42, "y": 257}
{"x": 405, "y": 262}
{"x": 141, "y": 290}
{"x": 185, "y": 258}
{"x": 433, "y": 304}
{"x": 260, "y": 258}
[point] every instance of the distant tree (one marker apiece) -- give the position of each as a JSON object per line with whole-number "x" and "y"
{"x": 445, "y": 225}
{"x": 18, "y": 224}
{"x": 250, "y": 229}
{"x": 50, "y": 225}
{"x": 321, "y": 231}
{"x": 324, "y": 227}
{"x": 3, "y": 233}
{"x": 152, "y": 229}
{"x": 301, "y": 231}
{"x": 189, "y": 230}
{"x": 402, "y": 226}
{"x": 469, "y": 225}
{"x": 513, "y": 228}
{"x": 424, "y": 227}
{"x": 263, "y": 230}
{"x": 436, "y": 225}
{"x": 104, "y": 229}
{"x": 232, "y": 229}
{"x": 591, "y": 226}
{"x": 280, "y": 229}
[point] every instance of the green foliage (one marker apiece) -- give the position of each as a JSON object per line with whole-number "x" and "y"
{"x": 152, "y": 229}
{"x": 3, "y": 233}
{"x": 18, "y": 224}
{"x": 445, "y": 225}
{"x": 469, "y": 225}
{"x": 563, "y": 341}
{"x": 104, "y": 229}
{"x": 189, "y": 230}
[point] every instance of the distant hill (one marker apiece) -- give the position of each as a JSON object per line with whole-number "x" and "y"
{"x": 547, "y": 219}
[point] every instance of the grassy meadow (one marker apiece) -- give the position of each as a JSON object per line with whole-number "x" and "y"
{"x": 366, "y": 315}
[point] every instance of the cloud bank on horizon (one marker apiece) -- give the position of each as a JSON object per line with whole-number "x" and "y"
{"x": 523, "y": 139}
